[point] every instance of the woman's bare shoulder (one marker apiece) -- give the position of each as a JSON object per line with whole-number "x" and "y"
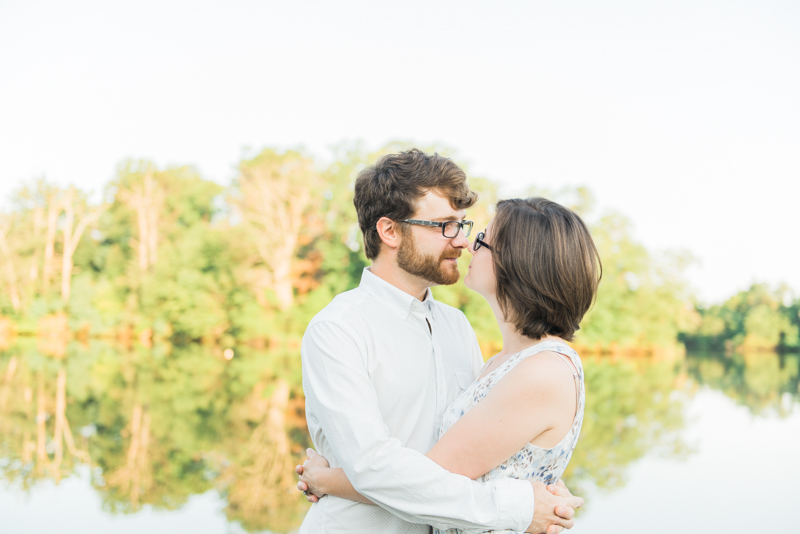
{"x": 546, "y": 371}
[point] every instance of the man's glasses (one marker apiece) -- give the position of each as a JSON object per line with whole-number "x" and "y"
{"x": 450, "y": 229}
{"x": 479, "y": 242}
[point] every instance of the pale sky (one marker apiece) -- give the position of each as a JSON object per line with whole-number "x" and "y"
{"x": 683, "y": 115}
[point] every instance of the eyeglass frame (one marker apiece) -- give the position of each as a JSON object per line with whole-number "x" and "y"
{"x": 460, "y": 224}
{"x": 479, "y": 242}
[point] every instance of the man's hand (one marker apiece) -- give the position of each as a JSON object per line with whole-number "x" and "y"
{"x": 554, "y": 508}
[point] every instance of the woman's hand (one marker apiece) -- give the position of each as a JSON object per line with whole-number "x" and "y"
{"x": 312, "y": 474}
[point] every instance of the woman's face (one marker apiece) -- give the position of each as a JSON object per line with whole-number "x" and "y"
{"x": 480, "y": 274}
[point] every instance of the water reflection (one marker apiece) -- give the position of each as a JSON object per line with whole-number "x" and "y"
{"x": 633, "y": 407}
{"x": 762, "y": 381}
{"x": 158, "y": 425}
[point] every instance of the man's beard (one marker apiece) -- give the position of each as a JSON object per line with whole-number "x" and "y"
{"x": 425, "y": 266}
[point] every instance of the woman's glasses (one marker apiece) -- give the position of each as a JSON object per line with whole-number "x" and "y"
{"x": 479, "y": 242}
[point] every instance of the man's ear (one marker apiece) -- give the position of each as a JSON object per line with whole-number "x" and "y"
{"x": 389, "y": 231}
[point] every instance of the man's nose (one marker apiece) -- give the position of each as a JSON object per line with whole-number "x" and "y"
{"x": 460, "y": 241}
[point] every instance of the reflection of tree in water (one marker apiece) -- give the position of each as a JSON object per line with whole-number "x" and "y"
{"x": 150, "y": 410}
{"x": 34, "y": 426}
{"x": 259, "y": 481}
{"x": 134, "y": 478}
{"x": 162, "y": 425}
{"x": 157, "y": 426}
{"x": 759, "y": 380}
{"x": 632, "y": 409}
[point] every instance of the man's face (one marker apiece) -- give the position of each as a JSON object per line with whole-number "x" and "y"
{"x": 424, "y": 251}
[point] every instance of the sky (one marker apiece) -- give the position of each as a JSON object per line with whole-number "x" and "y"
{"x": 682, "y": 115}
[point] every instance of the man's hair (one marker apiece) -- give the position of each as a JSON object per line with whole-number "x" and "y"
{"x": 392, "y": 187}
{"x": 547, "y": 267}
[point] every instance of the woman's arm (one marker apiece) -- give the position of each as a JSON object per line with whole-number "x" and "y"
{"x": 531, "y": 403}
{"x": 534, "y": 403}
{"x": 318, "y": 479}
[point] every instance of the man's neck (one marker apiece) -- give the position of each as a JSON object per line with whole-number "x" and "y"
{"x": 392, "y": 274}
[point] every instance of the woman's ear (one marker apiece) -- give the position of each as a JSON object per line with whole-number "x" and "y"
{"x": 389, "y": 232}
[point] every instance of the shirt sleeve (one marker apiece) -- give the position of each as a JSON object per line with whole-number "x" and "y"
{"x": 403, "y": 481}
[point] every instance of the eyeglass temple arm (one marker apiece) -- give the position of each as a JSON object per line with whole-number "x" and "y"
{"x": 439, "y": 224}
{"x": 424, "y": 223}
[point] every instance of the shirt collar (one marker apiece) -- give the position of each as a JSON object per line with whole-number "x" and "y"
{"x": 395, "y": 298}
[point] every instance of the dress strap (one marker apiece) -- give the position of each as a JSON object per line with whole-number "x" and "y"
{"x": 571, "y": 365}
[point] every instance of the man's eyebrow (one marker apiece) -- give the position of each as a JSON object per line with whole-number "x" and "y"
{"x": 449, "y": 218}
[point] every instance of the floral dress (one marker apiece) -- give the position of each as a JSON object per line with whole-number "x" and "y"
{"x": 531, "y": 462}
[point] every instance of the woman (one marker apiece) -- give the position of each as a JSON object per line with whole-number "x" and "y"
{"x": 538, "y": 268}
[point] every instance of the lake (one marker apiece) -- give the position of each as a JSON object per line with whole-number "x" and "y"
{"x": 100, "y": 438}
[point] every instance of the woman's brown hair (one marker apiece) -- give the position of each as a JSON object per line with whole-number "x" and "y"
{"x": 547, "y": 267}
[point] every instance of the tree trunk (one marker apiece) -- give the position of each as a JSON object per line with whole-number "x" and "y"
{"x": 263, "y": 475}
{"x": 144, "y": 261}
{"x": 140, "y": 467}
{"x": 155, "y": 199}
{"x": 134, "y": 477}
{"x": 146, "y": 199}
{"x": 71, "y": 239}
{"x": 133, "y": 454}
{"x": 282, "y": 283}
{"x": 276, "y": 430}
{"x": 62, "y": 430}
{"x": 38, "y": 225}
{"x": 276, "y": 199}
{"x": 11, "y": 273}
{"x": 53, "y": 211}
{"x": 66, "y": 257}
{"x": 61, "y": 410}
{"x": 27, "y": 445}
{"x": 6, "y": 387}
{"x": 41, "y": 417}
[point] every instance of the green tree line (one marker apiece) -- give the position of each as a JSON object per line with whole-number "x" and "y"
{"x": 168, "y": 254}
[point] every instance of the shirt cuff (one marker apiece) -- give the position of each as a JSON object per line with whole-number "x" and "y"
{"x": 517, "y": 496}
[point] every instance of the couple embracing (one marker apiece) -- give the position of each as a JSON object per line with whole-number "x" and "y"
{"x": 412, "y": 430}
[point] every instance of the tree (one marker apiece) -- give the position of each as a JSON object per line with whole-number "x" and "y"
{"x": 50, "y": 197}
{"x": 146, "y": 198}
{"x": 134, "y": 478}
{"x": 8, "y": 258}
{"x": 75, "y": 206}
{"x": 758, "y": 318}
{"x": 39, "y": 207}
{"x": 276, "y": 193}
{"x": 643, "y": 299}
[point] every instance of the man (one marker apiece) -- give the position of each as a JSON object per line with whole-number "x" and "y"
{"x": 382, "y": 362}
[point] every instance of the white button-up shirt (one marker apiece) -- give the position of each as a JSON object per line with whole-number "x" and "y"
{"x": 377, "y": 379}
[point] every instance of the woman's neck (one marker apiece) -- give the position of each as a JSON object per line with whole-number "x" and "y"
{"x": 513, "y": 340}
